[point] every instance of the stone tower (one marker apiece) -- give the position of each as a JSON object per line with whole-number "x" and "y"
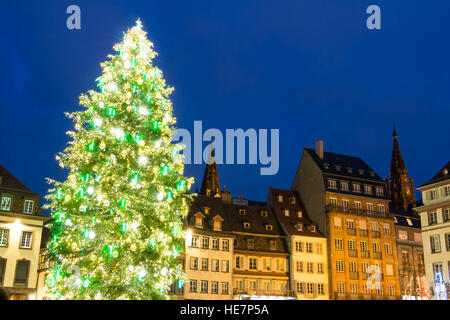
{"x": 210, "y": 183}
{"x": 401, "y": 188}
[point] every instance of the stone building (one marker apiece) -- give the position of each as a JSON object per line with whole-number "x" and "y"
{"x": 347, "y": 201}
{"x": 435, "y": 220}
{"x": 308, "y": 259}
{"x": 21, "y": 223}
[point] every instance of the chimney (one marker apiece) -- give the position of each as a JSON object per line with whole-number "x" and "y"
{"x": 319, "y": 149}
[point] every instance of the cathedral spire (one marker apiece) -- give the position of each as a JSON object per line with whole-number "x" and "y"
{"x": 401, "y": 188}
{"x": 210, "y": 184}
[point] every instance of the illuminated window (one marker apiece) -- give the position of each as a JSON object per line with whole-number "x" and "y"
{"x": 292, "y": 199}
{"x": 6, "y": 203}
{"x": 28, "y": 207}
{"x": 339, "y": 244}
{"x": 339, "y": 266}
{"x": 299, "y": 246}
{"x": 332, "y": 184}
{"x": 380, "y": 191}
{"x": 4, "y": 235}
{"x": 368, "y": 189}
{"x": 25, "y": 242}
{"x": 344, "y": 185}
{"x": 193, "y": 286}
{"x": 356, "y": 187}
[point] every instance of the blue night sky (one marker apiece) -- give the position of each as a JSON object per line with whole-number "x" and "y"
{"x": 308, "y": 67}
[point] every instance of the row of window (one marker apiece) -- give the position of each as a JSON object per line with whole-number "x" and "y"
{"x": 301, "y": 246}
{"x": 354, "y": 289}
{"x": 267, "y": 287}
{"x": 435, "y": 241}
{"x": 205, "y": 243}
{"x": 363, "y": 246}
{"x": 374, "y": 226}
{"x": 310, "y": 288}
{"x": 357, "y": 205}
{"x": 433, "y": 216}
{"x": 6, "y": 205}
{"x": 356, "y": 187}
{"x": 436, "y": 193}
{"x": 21, "y": 274}
{"x": 309, "y": 267}
{"x": 25, "y": 239}
{"x": 353, "y": 267}
{"x": 265, "y": 264}
{"x": 208, "y": 287}
{"x": 290, "y": 198}
{"x": 204, "y": 264}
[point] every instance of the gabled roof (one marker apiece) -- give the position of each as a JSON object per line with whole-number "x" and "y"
{"x": 289, "y": 223}
{"x": 443, "y": 174}
{"x": 360, "y": 169}
{"x": 8, "y": 181}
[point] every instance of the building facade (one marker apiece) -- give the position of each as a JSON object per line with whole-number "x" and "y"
{"x": 21, "y": 223}
{"x": 308, "y": 259}
{"x": 435, "y": 220}
{"x": 347, "y": 201}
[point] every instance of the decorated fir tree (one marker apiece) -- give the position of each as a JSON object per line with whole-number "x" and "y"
{"x": 117, "y": 218}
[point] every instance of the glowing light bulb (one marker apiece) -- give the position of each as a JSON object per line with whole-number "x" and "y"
{"x": 98, "y": 122}
{"x": 142, "y": 160}
{"x": 90, "y": 190}
{"x": 164, "y": 271}
{"x": 111, "y": 86}
{"x": 117, "y": 132}
{"x": 143, "y": 111}
{"x": 157, "y": 144}
{"x": 160, "y": 196}
{"x": 91, "y": 235}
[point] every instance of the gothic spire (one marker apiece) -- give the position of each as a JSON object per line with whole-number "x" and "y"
{"x": 210, "y": 184}
{"x": 401, "y": 187}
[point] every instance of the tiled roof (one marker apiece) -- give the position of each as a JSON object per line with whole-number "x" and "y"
{"x": 9, "y": 181}
{"x": 401, "y": 219}
{"x": 289, "y": 222}
{"x": 233, "y": 220}
{"x": 330, "y": 160}
{"x": 443, "y": 174}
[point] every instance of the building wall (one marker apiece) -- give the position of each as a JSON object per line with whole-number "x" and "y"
{"x": 12, "y": 253}
{"x": 300, "y": 278}
{"x": 441, "y": 229}
{"x": 208, "y": 275}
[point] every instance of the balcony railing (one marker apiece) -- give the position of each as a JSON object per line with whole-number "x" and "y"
{"x": 263, "y": 292}
{"x": 365, "y": 254}
{"x": 377, "y": 255}
{"x": 376, "y": 234}
{"x": 353, "y": 253}
{"x": 361, "y": 212}
{"x": 363, "y": 233}
{"x": 353, "y": 275}
{"x": 351, "y": 231}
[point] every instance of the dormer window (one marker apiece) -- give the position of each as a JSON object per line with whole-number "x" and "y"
{"x": 368, "y": 189}
{"x": 356, "y": 187}
{"x": 273, "y": 244}
{"x": 269, "y": 227}
{"x": 361, "y": 171}
{"x": 280, "y": 198}
{"x": 299, "y": 226}
{"x": 313, "y": 228}
{"x": 264, "y": 213}
{"x": 292, "y": 199}
{"x": 338, "y": 168}
{"x": 217, "y": 223}
{"x": 372, "y": 173}
{"x": 325, "y": 165}
{"x": 199, "y": 219}
{"x": 247, "y": 225}
{"x": 242, "y": 212}
{"x": 206, "y": 210}
{"x": 349, "y": 170}
{"x": 299, "y": 214}
{"x": 285, "y": 212}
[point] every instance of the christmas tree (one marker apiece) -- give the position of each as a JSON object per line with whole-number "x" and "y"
{"x": 117, "y": 219}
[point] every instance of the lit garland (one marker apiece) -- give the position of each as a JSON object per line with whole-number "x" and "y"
{"x": 117, "y": 218}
